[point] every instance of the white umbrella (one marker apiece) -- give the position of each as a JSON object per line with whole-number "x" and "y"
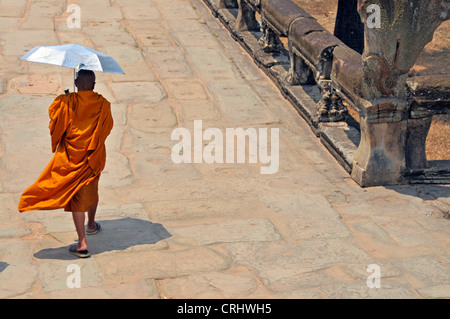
{"x": 73, "y": 56}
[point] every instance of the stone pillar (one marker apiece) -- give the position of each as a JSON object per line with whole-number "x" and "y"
{"x": 299, "y": 71}
{"x": 380, "y": 158}
{"x": 416, "y": 140}
{"x": 270, "y": 41}
{"x": 246, "y": 20}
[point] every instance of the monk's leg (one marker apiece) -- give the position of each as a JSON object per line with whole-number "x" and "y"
{"x": 91, "y": 217}
{"x": 78, "y": 219}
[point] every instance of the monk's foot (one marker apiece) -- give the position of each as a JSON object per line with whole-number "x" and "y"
{"x": 82, "y": 247}
{"x": 79, "y": 251}
{"x": 92, "y": 229}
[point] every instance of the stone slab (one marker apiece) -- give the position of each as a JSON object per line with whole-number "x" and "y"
{"x": 117, "y": 171}
{"x": 13, "y": 8}
{"x": 160, "y": 264}
{"x": 424, "y": 271}
{"x": 134, "y": 3}
{"x": 146, "y": 117}
{"x": 19, "y": 275}
{"x": 89, "y": 12}
{"x": 169, "y": 62}
{"x": 21, "y": 164}
{"x": 229, "y": 231}
{"x": 151, "y": 92}
{"x": 141, "y": 13}
{"x": 300, "y": 215}
{"x": 9, "y": 217}
{"x": 389, "y": 290}
{"x": 60, "y": 220}
{"x": 111, "y": 37}
{"x": 20, "y": 42}
{"x": 176, "y": 10}
{"x": 232, "y": 283}
{"x": 436, "y": 292}
{"x": 274, "y": 261}
{"x": 187, "y": 209}
{"x": 240, "y": 105}
{"x": 53, "y": 275}
{"x": 405, "y": 232}
{"x": 213, "y": 64}
{"x": 196, "y": 189}
{"x": 141, "y": 289}
{"x": 191, "y": 110}
{"x": 189, "y": 89}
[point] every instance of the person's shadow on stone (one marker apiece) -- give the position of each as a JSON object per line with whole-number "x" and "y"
{"x": 117, "y": 234}
{"x": 3, "y": 265}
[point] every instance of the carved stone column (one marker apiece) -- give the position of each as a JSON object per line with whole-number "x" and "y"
{"x": 416, "y": 139}
{"x": 330, "y": 108}
{"x": 270, "y": 41}
{"x": 380, "y": 157}
{"x": 246, "y": 20}
{"x": 299, "y": 71}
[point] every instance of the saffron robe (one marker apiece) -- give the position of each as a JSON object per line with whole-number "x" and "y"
{"x": 79, "y": 125}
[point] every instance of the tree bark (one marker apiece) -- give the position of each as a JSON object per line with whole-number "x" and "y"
{"x": 349, "y": 28}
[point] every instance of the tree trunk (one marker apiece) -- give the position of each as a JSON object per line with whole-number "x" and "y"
{"x": 349, "y": 28}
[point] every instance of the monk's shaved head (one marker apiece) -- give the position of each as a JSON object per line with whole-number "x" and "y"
{"x": 85, "y": 80}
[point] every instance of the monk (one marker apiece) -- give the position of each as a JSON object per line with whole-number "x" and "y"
{"x": 79, "y": 125}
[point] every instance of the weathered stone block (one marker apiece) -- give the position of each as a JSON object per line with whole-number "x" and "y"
{"x": 279, "y": 14}
{"x": 417, "y": 132}
{"x": 229, "y": 231}
{"x": 347, "y": 73}
{"x": 315, "y": 45}
{"x": 380, "y": 158}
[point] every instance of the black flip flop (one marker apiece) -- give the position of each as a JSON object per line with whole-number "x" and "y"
{"x": 81, "y": 254}
{"x": 95, "y": 231}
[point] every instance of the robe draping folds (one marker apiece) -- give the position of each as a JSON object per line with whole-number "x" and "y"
{"x": 79, "y": 125}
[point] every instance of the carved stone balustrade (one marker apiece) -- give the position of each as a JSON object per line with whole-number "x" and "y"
{"x": 394, "y": 110}
{"x": 311, "y": 55}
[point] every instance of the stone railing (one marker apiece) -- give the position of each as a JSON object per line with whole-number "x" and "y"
{"x": 387, "y": 146}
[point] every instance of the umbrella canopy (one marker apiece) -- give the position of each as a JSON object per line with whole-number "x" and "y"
{"x": 73, "y": 56}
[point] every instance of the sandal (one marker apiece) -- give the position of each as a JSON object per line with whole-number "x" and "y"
{"x": 95, "y": 231}
{"x": 81, "y": 254}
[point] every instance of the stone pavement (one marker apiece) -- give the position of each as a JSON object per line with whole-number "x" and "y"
{"x": 199, "y": 230}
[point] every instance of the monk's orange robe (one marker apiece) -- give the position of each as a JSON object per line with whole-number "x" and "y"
{"x": 79, "y": 125}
